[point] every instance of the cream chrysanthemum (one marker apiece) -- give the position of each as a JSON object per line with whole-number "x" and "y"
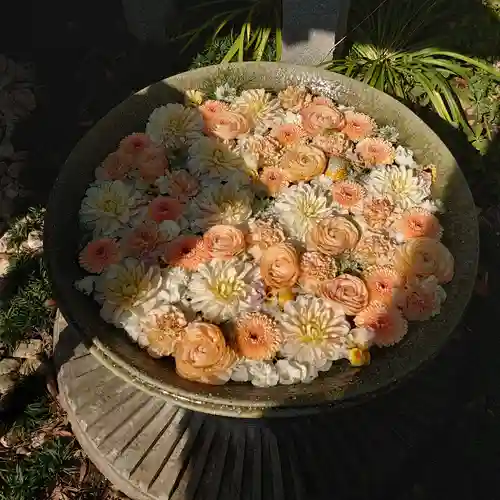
{"x": 228, "y": 203}
{"x": 314, "y": 332}
{"x": 107, "y": 206}
{"x": 174, "y": 125}
{"x": 260, "y": 107}
{"x": 399, "y": 184}
{"x": 300, "y": 207}
{"x": 209, "y": 156}
{"x": 130, "y": 287}
{"x": 223, "y": 289}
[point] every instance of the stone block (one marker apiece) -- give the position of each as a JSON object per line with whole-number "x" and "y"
{"x": 311, "y": 29}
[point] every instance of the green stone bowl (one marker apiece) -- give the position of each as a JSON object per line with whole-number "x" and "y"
{"x": 342, "y": 385}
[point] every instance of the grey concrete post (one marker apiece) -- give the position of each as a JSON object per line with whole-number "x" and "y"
{"x": 311, "y": 28}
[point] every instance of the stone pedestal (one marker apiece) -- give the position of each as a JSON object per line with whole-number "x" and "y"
{"x": 311, "y": 29}
{"x": 153, "y": 450}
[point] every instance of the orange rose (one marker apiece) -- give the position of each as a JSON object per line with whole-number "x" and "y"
{"x": 117, "y": 165}
{"x": 279, "y": 266}
{"x": 318, "y": 117}
{"x": 422, "y": 257}
{"x": 347, "y": 291}
{"x": 223, "y": 242}
{"x": 152, "y": 163}
{"x": 202, "y": 355}
{"x": 333, "y": 236}
{"x": 303, "y": 162}
{"x": 227, "y": 125}
{"x": 182, "y": 185}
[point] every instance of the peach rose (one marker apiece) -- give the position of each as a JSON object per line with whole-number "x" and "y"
{"x": 332, "y": 144}
{"x": 416, "y": 223}
{"x": 274, "y": 179}
{"x": 387, "y": 322}
{"x": 358, "y": 125}
{"x": 347, "y": 291}
{"x": 183, "y": 185}
{"x": 227, "y": 125}
{"x": 261, "y": 235}
{"x": 303, "y": 162}
{"x": 375, "y": 151}
{"x": 287, "y": 134}
{"x": 279, "y": 266}
{"x": 117, "y": 165}
{"x": 318, "y": 117}
{"x": 202, "y": 355}
{"x": 223, "y": 242}
{"x": 315, "y": 268}
{"x": 333, "y": 236}
{"x": 422, "y": 257}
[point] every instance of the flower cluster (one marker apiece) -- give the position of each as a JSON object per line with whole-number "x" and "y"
{"x": 260, "y": 237}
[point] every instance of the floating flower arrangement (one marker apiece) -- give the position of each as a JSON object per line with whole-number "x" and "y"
{"x": 261, "y": 237}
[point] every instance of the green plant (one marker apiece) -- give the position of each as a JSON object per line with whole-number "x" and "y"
{"x": 249, "y": 27}
{"x": 395, "y": 51}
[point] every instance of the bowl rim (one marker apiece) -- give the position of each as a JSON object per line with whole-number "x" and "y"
{"x": 237, "y": 407}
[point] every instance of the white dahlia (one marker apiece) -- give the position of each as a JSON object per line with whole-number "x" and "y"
{"x": 300, "y": 207}
{"x": 108, "y": 206}
{"x": 175, "y": 125}
{"x": 258, "y": 373}
{"x": 228, "y": 203}
{"x": 209, "y": 156}
{"x": 260, "y": 107}
{"x": 314, "y": 332}
{"x": 401, "y": 185}
{"x": 130, "y": 287}
{"x": 223, "y": 289}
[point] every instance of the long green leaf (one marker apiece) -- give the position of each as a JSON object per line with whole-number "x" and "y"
{"x": 279, "y": 44}
{"x": 262, "y": 45}
{"x": 434, "y": 97}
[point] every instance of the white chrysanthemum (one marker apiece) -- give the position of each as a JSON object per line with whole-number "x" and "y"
{"x": 300, "y": 207}
{"x": 225, "y": 93}
{"x": 211, "y": 157}
{"x": 260, "y": 107}
{"x": 228, "y": 203}
{"x": 175, "y": 125}
{"x": 293, "y": 372}
{"x": 175, "y": 281}
{"x": 223, "y": 289}
{"x": 361, "y": 337}
{"x": 248, "y": 148}
{"x": 129, "y": 287}
{"x": 313, "y": 331}
{"x": 404, "y": 157}
{"x": 399, "y": 184}
{"x": 86, "y": 285}
{"x": 258, "y": 373}
{"x": 107, "y": 206}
